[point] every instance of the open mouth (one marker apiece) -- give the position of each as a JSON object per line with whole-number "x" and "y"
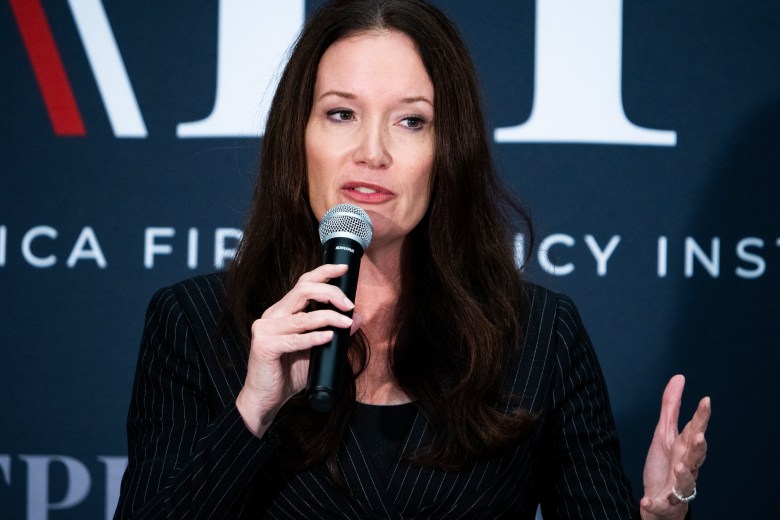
{"x": 366, "y": 188}
{"x": 369, "y": 193}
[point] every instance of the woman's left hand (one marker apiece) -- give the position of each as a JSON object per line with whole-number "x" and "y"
{"x": 674, "y": 457}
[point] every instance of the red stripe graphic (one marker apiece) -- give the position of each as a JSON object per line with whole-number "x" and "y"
{"x": 48, "y": 68}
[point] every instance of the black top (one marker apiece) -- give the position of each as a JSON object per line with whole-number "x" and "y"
{"x": 383, "y": 429}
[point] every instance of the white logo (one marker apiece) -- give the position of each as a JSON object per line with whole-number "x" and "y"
{"x": 252, "y": 41}
{"x": 577, "y": 82}
{"x": 577, "y": 92}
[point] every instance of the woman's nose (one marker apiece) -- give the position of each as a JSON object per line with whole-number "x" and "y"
{"x": 372, "y": 149}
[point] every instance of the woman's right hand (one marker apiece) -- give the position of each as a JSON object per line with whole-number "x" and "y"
{"x": 279, "y": 353}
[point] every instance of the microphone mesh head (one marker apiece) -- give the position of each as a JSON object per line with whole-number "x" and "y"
{"x": 347, "y": 220}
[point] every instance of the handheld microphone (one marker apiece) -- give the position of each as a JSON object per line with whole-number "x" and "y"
{"x": 345, "y": 233}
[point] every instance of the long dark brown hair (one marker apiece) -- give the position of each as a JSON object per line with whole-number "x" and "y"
{"x": 460, "y": 310}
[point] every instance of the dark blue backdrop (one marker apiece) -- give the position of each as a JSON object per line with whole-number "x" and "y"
{"x": 704, "y": 189}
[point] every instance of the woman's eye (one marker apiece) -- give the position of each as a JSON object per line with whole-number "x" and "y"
{"x": 414, "y": 122}
{"x": 340, "y": 114}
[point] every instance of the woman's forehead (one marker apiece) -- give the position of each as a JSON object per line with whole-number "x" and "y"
{"x": 374, "y": 60}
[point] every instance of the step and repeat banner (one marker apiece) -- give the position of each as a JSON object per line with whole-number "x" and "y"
{"x": 643, "y": 136}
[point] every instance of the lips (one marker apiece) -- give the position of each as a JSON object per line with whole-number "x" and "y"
{"x": 366, "y": 192}
{"x": 364, "y": 187}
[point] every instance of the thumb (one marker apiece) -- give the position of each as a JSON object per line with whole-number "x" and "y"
{"x": 357, "y": 321}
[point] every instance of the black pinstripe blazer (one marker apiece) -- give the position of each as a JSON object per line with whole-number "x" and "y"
{"x": 190, "y": 455}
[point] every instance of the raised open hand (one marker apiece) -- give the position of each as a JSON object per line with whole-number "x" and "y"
{"x": 674, "y": 458}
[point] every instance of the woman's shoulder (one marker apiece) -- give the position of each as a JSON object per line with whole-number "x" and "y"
{"x": 554, "y": 324}
{"x": 187, "y": 333}
{"x": 200, "y": 300}
{"x": 540, "y": 301}
{"x": 211, "y": 283}
{"x": 197, "y": 292}
{"x": 551, "y": 319}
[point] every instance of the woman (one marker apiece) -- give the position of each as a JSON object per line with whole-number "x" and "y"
{"x": 474, "y": 394}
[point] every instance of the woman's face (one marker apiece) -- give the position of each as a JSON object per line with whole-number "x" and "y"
{"x": 370, "y": 134}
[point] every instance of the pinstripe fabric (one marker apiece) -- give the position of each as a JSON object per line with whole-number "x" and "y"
{"x": 190, "y": 455}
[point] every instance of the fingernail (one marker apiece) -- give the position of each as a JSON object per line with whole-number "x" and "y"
{"x": 345, "y": 321}
{"x": 325, "y": 335}
{"x": 348, "y": 303}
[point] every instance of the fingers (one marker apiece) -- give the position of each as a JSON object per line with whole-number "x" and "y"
{"x": 357, "y": 321}
{"x": 298, "y": 331}
{"x": 647, "y": 504}
{"x": 655, "y": 506}
{"x": 695, "y": 454}
{"x": 661, "y": 507}
{"x": 273, "y": 347}
{"x": 667, "y": 504}
{"x": 670, "y": 405}
{"x": 693, "y": 440}
{"x": 301, "y": 322}
{"x": 285, "y": 327}
{"x": 684, "y": 454}
{"x": 312, "y": 286}
{"x": 324, "y": 273}
{"x": 684, "y": 482}
{"x": 296, "y": 342}
{"x": 701, "y": 418}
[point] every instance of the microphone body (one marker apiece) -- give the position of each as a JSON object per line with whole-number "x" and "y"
{"x": 345, "y": 232}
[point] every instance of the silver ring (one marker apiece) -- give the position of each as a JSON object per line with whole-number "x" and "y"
{"x": 682, "y": 498}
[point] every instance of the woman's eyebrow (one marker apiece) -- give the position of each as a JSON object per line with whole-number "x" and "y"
{"x": 349, "y": 95}
{"x": 338, "y": 93}
{"x": 415, "y": 99}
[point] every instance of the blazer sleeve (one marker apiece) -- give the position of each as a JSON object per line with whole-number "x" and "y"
{"x": 188, "y": 456}
{"x": 585, "y": 478}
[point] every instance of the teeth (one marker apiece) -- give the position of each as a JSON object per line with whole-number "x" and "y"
{"x": 363, "y": 189}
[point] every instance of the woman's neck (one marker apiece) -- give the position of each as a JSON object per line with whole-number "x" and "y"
{"x": 378, "y": 290}
{"x": 379, "y": 287}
